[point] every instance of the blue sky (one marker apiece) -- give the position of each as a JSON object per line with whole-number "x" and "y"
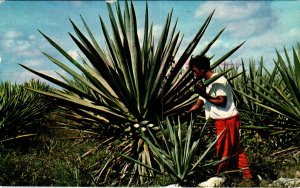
{"x": 264, "y": 25}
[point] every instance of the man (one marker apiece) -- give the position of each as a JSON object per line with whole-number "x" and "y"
{"x": 217, "y": 99}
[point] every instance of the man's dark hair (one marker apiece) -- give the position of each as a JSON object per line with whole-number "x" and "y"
{"x": 200, "y": 62}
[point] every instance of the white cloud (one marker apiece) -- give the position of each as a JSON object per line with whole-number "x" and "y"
{"x": 74, "y": 54}
{"x": 26, "y": 75}
{"x": 12, "y": 35}
{"x": 228, "y": 10}
{"x": 2, "y": 1}
{"x": 110, "y": 1}
{"x": 14, "y": 42}
{"x": 157, "y": 29}
{"x": 76, "y": 3}
{"x": 275, "y": 39}
{"x": 0, "y": 59}
{"x": 268, "y": 41}
{"x": 32, "y": 38}
{"x": 140, "y": 33}
{"x": 33, "y": 62}
{"x": 17, "y": 45}
{"x": 20, "y": 47}
{"x": 242, "y": 19}
{"x": 219, "y": 44}
{"x": 247, "y": 27}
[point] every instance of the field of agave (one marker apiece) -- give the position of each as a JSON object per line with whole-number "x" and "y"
{"x": 116, "y": 120}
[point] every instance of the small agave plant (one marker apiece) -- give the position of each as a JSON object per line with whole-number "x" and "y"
{"x": 176, "y": 152}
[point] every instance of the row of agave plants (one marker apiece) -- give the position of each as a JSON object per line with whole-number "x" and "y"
{"x": 269, "y": 99}
{"x": 22, "y": 111}
{"x": 130, "y": 95}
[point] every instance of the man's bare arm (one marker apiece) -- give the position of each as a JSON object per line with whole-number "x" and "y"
{"x": 219, "y": 100}
{"x": 199, "y": 103}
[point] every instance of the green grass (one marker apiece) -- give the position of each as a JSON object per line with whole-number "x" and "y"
{"x": 56, "y": 163}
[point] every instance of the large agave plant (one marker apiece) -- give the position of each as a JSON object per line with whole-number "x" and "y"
{"x": 21, "y": 110}
{"x": 122, "y": 88}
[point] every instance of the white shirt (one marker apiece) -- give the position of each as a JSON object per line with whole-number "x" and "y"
{"x": 219, "y": 87}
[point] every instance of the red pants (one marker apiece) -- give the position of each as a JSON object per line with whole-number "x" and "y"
{"x": 229, "y": 145}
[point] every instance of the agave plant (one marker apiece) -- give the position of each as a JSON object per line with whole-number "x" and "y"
{"x": 123, "y": 88}
{"x": 176, "y": 152}
{"x": 22, "y": 110}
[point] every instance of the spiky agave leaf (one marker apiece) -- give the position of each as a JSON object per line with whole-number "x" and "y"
{"x": 127, "y": 82}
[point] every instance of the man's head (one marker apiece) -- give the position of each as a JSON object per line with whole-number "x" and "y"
{"x": 199, "y": 65}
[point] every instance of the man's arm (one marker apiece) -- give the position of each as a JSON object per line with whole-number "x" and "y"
{"x": 199, "y": 103}
{"x": 219, "y": 100}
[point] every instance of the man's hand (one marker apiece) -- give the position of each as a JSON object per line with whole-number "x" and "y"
{"x": 200, "y": 89}
{"x": 184, "y": 116}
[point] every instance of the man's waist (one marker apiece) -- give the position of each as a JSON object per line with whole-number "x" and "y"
{"x": 227, "y": 118}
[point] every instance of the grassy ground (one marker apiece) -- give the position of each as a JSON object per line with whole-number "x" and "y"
{"x": 53, "y": 162}
{"x": 55, "y": 159}
{"x": 57, "y": 162}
